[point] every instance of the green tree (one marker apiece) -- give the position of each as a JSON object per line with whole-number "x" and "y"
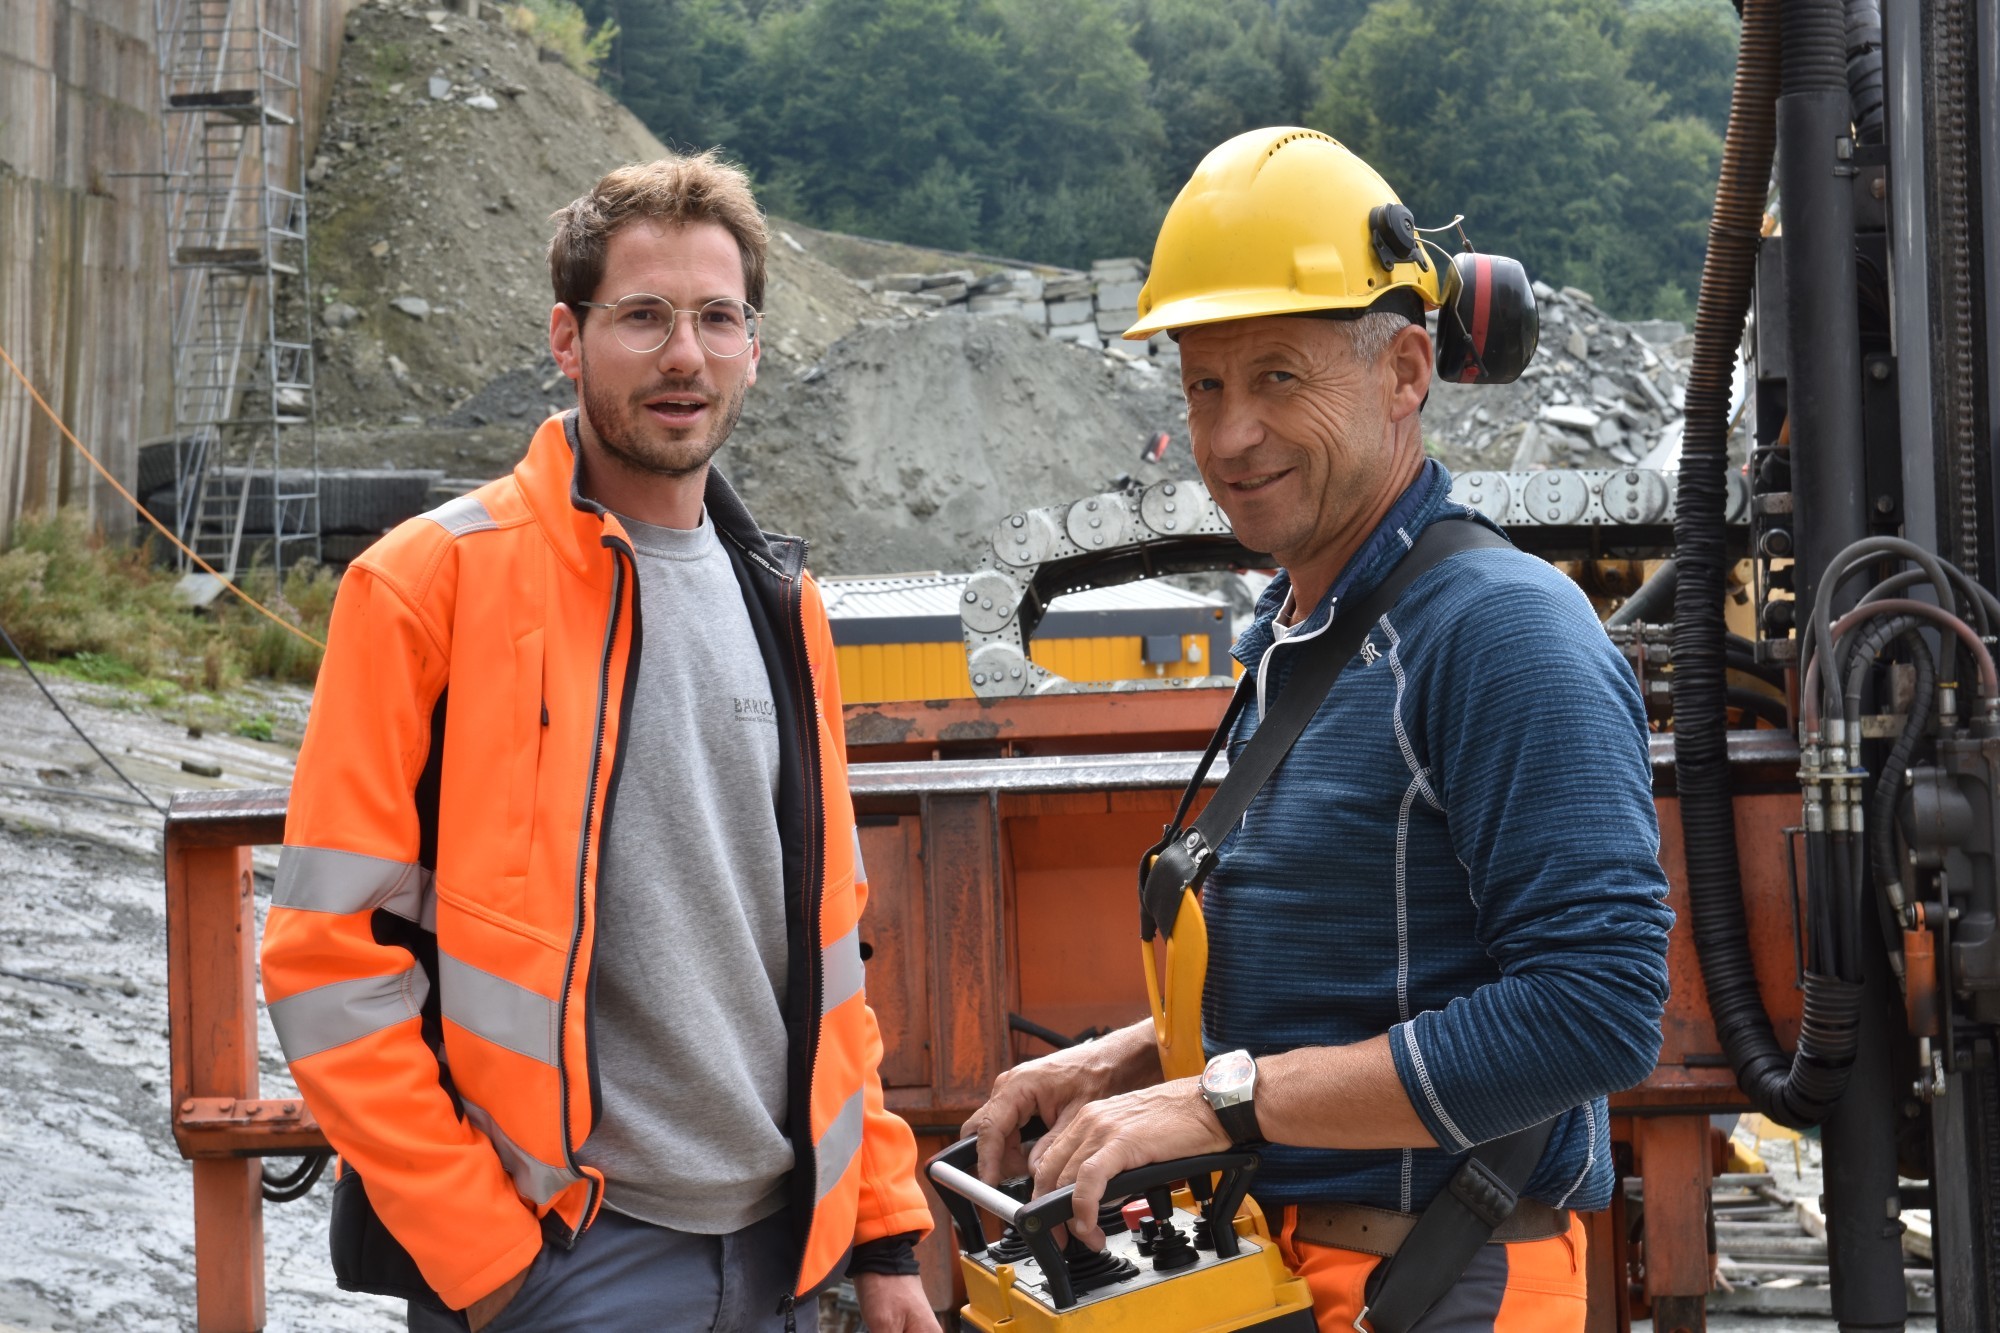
{"x": 678, "y": 65}
{"x": 1522, "y": 115}
{"x": 857, "y": 100}
{"x": 1687, "y": 50}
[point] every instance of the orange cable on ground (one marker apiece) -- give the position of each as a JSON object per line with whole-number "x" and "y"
{"x": 146, "y": 513}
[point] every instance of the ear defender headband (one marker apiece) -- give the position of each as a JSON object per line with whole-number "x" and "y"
{"x": 1488, "y": 326}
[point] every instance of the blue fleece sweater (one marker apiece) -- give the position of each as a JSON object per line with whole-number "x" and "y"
{"x": 1461, "y": 851}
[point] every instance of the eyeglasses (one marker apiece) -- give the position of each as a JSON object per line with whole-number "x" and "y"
{"x": 643, "y": 323}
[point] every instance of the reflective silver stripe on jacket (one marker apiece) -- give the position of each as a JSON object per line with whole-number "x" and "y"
{"x": 321, "y": 879}
{"x": 342, "y": 1011}
{"x": 536, "y": 1180}
{"x": 463, "y": 515}
{"x": 497, "y": 1009}
{"x": 860, "y": 870}
{"x": 836, "y": 1148}
{"x": 840, "y": 971}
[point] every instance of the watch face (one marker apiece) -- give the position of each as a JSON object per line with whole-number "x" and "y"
{"x": 1228, "y": 1074}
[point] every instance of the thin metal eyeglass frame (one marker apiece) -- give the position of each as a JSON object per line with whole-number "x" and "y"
{"x": 752, "y": 324}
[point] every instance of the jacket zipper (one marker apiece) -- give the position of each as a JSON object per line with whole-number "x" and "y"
{"x": 583, "y": 876}
{"x": 815, "y": 886}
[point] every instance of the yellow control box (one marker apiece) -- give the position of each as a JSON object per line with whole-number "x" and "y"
{"x": 1164, "y": 1268}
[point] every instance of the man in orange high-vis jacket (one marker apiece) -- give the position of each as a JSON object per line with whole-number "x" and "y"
{"x": 564, "y": 948}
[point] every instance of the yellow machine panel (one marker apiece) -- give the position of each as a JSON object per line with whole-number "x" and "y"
{"x": 899, "y": 637}
{"x": 1162, "y": 1266}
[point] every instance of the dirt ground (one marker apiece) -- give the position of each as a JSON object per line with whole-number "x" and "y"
{"x": 96, "y": 1205}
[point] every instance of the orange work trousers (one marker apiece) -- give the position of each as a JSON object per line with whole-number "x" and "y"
{"x": 1530, "y": 1286}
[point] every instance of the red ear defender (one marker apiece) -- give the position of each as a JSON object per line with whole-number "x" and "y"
{"x": 1487, "y": 324}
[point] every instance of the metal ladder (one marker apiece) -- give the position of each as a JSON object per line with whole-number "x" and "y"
{"x": 246, "y": 453}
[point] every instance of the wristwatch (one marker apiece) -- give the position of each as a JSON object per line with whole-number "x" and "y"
{"x": 1229, "y": 1085}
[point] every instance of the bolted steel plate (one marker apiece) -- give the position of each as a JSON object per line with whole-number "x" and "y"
{"x": 1555, "y": 497}
{"x": 998, "y": 670}
{"x": 1174, "y": 508}
{"x": 1487, "y": 492}
{"x": 988, "y": 601}
{"x": 1635, "y": 495}
{"x": 1098, "y": 523}
{"x": 1024, "y": 539}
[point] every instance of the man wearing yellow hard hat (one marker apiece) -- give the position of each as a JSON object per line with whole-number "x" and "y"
{"x": 1437, "y": 930}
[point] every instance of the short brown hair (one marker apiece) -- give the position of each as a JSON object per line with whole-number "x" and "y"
{"x": 677, "y": 190}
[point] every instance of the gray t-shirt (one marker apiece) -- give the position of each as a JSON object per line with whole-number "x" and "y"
{"x": 691, "y": 946}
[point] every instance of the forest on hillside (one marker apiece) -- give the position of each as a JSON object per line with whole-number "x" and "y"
{"x": 1580, "y": 136}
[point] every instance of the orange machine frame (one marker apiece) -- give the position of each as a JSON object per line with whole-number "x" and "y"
{"x": 1004, "y": 889}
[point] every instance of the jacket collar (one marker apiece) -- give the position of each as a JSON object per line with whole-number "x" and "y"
{"x": 577, "y": 525}
{"x": 1426, "y": 500}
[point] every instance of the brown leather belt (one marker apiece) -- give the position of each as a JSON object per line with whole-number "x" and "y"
{"x": 1354, "y": 1226}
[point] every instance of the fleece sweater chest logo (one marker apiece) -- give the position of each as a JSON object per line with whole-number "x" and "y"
{"x": 1369, "y": 652}
{"x": 756, "y": 710}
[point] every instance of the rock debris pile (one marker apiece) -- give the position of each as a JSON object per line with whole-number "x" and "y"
{"x": 1599, "y": 393}
{"x": 1092, "y": 309}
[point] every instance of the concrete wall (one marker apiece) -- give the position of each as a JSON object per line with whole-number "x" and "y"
{"x": 83, "y": 281}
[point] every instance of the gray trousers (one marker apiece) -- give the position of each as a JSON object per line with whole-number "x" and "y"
{"x": 630, "y": 1275}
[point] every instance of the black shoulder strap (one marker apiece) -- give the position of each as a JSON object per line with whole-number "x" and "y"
{"x": 1181, "y": 860}
{"x": 1434, "y": 1256}
{"x": 1482, "y": 1193}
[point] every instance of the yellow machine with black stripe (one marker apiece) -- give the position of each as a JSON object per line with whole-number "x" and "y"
{"x": 1165, "y": 1264}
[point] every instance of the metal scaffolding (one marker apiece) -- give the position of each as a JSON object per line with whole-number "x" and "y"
{"x": 246, "y": 456}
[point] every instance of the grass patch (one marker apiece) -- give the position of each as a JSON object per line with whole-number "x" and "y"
{"x": 559, "y": 26}
{"x": 103, "y": 611}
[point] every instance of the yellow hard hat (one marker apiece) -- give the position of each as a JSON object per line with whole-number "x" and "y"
{"x": 1281, "y": 221}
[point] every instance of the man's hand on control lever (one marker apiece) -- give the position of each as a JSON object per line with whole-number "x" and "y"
{"x": 1155, "y": 1124}
{"x": 1068, "y": 1091}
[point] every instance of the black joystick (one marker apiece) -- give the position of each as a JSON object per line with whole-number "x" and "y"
{"x": 1090, "y": 1269}
{"x": 1009, "y": 1249}
{"x": 1171, "y": 1250}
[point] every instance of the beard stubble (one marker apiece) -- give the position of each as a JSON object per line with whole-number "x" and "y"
{"x": 622, "y": 428}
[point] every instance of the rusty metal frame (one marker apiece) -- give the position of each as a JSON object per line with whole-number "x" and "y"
{"x": 949, "y": 797}
{"x": 221, "y": 1121}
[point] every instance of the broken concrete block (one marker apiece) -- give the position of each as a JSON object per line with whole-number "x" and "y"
{"x": 1070, "y": 312}
{"x": 1570, "y": 417}
{"x": 1118, "y": 295}
{"x": 1084, "y": 335}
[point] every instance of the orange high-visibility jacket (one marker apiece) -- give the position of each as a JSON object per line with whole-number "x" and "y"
{"x": 427, "y": 956}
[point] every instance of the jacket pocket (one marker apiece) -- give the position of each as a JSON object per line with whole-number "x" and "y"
{"x": 525, "y": 755}
{"x": 365, "y": 1256}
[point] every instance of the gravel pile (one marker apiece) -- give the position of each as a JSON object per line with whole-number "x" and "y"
{"x": 1091, "y": 309}
{"x": 1599, "y": 393}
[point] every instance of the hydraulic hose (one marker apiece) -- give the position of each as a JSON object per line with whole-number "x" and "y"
{"x": 1864, "y": 68}
{"x": 1652, "y": 598}
{"x": 1795, "y": 1091}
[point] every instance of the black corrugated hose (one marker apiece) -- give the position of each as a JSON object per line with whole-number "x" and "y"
{"x": 1864, "y": 68}
{"x": 1794, "y": 1090}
